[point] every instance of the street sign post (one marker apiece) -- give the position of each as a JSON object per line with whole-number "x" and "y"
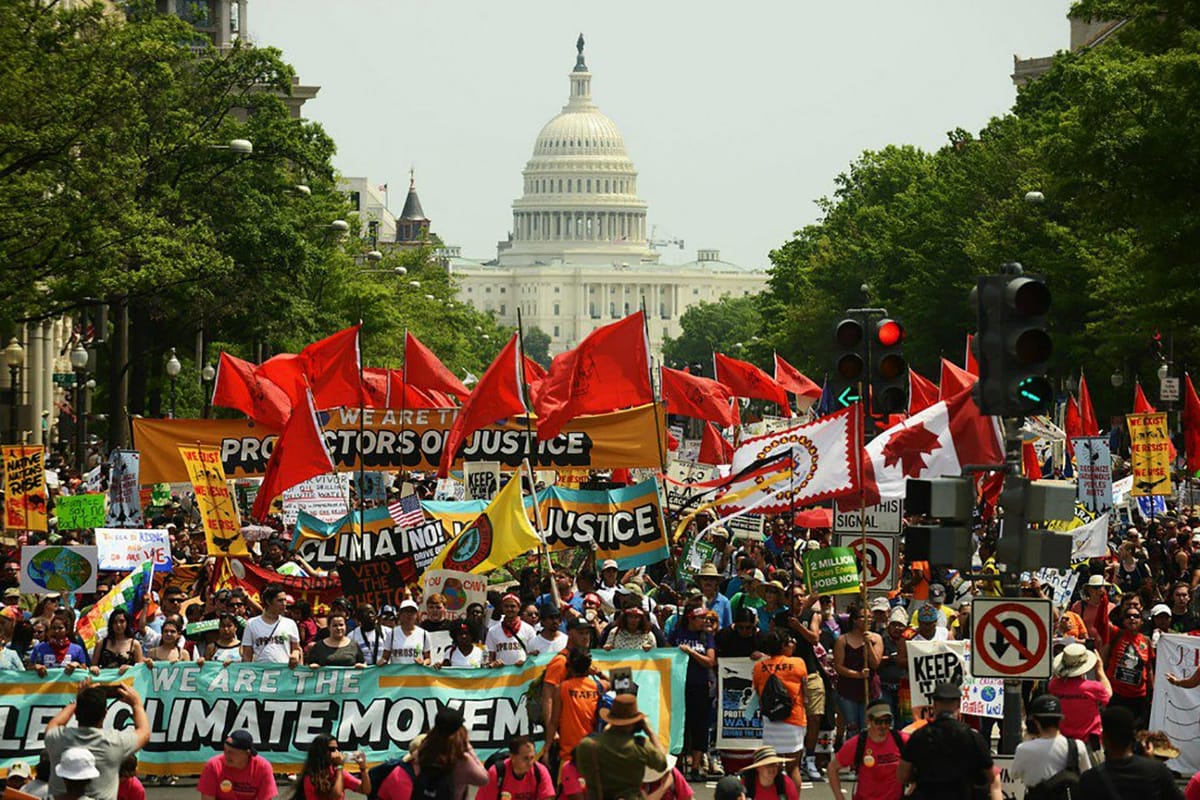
{"x": 1011, "y": 638}
{"x": 886, "y": 517}
{"x": 879, "y": 558}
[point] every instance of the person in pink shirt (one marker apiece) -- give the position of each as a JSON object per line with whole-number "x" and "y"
{"x": 238, "y": 773}
{"x": 1081, "y": 698}
{"x": 324, "y": 775}
{"x": 520, "y": 776}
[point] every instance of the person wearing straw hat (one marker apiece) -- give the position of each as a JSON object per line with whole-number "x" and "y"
{"x": 709, "y": 581}
{"x": 1081, "y": 697}
{"x": 767, "y": 779}
{"x": 625, "y": 755}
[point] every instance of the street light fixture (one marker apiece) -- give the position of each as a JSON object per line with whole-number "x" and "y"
{"x": 1035, "y": 198}
{"x": 173, "y": 368}
{"x": 339, "y": 226}
{"x": 79, "y": 362}
{"x": 208, "y": 374}
{"x": 243, "y": 147}
{"x": 1117, "y": 378}
{"x": 1163, "y": 371}
{"x": 14, "y": 357}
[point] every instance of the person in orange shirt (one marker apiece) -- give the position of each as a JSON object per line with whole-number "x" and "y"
{"x": 577, "y": 707}
{"x": 786, "y": 736}
{"x": 1071, "y": 624}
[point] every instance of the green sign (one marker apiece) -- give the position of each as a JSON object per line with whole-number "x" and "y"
{"x": 79, "y": 511}
{"x": 831, "y": 570}
{"x": 160, "y": 495}
{"x": 64, "y": 379}
{"x": 695, "y": 555}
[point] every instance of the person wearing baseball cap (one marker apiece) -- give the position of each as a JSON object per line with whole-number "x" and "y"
{"x": 925, "y": 620}
{"x": 946, "y": 758}
{"x": 873, "y": 754}
{"x": 1049, "y": 753}
{"x": 751, "y": 596}
{"x": 237, "y": 772}
{"x": 410, "y": 643}
{"x": 610, "y": 581}
{"x": 937, "y": 601}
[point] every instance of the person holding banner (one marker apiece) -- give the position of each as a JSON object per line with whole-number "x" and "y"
{"x": 409, "y": 644}
{"x": 118, "y": 648}
{"x": 464, "y": 651}
{"x": 271, "y": 637}
{"x": 507, "y": 641}
{"x": 372, "y": 638}
{"x": 337, "y": 649}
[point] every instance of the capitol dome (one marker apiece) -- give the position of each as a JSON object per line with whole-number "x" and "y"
{"x": 580, "y": 201}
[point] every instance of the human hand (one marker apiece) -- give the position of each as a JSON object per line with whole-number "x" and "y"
{"x": 293, "y": 661}
{"x": 40, "y": 669}
{"x": 361, "y": 760}
{"x": 94, "y": 670}
{"x": 608, "y": 646}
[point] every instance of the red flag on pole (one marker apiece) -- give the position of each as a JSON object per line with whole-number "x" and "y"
{"x": 1191, "y": 424}
{"x": 609, "y": 369}
{"x": 1072, "y": 424}
{"x": 423, "y": 370}
{"x": 1140, "y": 404}
{"x": 695, "y": 396}
{"x": 795, "y": 381}
{"x": 496, "y": 396}
{"x": 237, "y": 386}
{"x": 969, "y": 362}
{"x": 922, "y": 392}
{"x": 1087, "y": 414}
{"x": 1029, "y": 462}
{"x": 714, "y": 449}
{"x": 333, "y": 366}
{"x": 286, "y": 371}
{"x": 299, "y": 454}
{"x": 954, "y": 380}
{"x": 747, "y": 380}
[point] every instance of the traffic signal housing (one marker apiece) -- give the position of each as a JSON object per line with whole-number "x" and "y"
{"x": 889, "y": 370}
{"x": 1012, "y": 344}
{"x": 849, "y": 360}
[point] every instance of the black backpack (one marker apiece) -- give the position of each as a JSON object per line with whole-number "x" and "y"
{"x": 433, "y": 784}
{"x": 776, "y": 702}
{"x": 861, "y": 747}
{"x": 1063, "y": 785}
{"x": 499, "y": 760}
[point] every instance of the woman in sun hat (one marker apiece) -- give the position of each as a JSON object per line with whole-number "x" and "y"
{"x": 767, "y": 778}
{"x": 1081, "y": 697}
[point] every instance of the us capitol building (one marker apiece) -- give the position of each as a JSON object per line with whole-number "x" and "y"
{"x": 578, "y": 255}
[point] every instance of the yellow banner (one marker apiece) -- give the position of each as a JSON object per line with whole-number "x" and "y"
{"x": 214, "y": 501}
{"x": 24, "y": 488}
{"x": 602, "y": 441}
{"x": 1149, "y": 454}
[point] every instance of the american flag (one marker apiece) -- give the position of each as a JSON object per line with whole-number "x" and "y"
{"x": 406, "y": 512}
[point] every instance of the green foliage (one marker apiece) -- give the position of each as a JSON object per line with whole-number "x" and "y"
{"x": 536, "y": 344}
{"x": 730, "y": 325}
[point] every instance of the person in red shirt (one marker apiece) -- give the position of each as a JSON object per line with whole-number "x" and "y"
{"x": 880, "y": 757}
{"x": 324, "y": 776}
{"x": 1081, "y": 697}
{"x": 1127, "y": 663}
{"x": 520, "y": 776}
{"x": 238, "y": 773}
{"x": 766, "y": 778}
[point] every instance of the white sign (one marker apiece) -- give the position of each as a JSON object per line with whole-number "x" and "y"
{"x": 1174, "y": 708}
{"x": 1121, "y": 490}
{"x": 879, "y": 558}
{"x": 747, "y": 526}
{"x": 1060, "y": 581}
{"x": 1093, "y": 473}
{"x": 482, "y": 479}
{"x": 882, "y": 518}
{"x": 1168, "y": 389}
{"x": 323, "y": 497}
{"x": 931, "y": 663}
{"x": 124, "y": 501}
{"x": 681, "y": 473}
{"x": 1011, "y": 638}
{"x": 459, "y": 588}
{"x": 739, "y": 723}
{"x": 1010, "y": 788}
{"x": 124, "y": 549}
{"x": 439, "y": 646}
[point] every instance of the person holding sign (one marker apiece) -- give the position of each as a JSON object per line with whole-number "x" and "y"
{"x": 410, "y": 644}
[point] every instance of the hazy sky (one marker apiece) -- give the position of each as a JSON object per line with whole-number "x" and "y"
{"x": 738, "y": 116}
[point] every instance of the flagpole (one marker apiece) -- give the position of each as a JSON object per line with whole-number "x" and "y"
{"x": 403, "y": 403}
{"x": 659, "y": 447}
{"x": 362, "y": 463}
{"x": 529, "y": 438}
{"x": 862, "y": 547}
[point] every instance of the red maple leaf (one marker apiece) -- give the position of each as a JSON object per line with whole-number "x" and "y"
{"x": 908, "y": 447}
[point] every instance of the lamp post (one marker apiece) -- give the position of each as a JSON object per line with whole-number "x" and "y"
{"x": 173, "y": 367}
{"x": 207, "y": 375}
{"x": 79, "y": 362}
{"x": 1117, "y": 378}
{"x": 14, "y": 356}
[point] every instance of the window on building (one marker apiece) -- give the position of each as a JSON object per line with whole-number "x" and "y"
{"x": 589, "y": 185}
{"x": 557, "y": 332}
{"x": 501, "y": 290}
{"x": 488, "y": 290}
{"x": 556, "y": 289}
{"x": 695, "y": 291}
{"x": 579, "y": 184}
{"x": 592, "y": 311}
{"x": 556, "y": 311}
{"x": 612, "y": 310}
{"x": 373, "y": 233}
{"x": 356, "y": 201}
{"x": 503, "y": 309}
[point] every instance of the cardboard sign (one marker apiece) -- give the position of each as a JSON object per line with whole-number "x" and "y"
{"x": 24, "y": 488}
{"x": 58, "y": 569}
{"x": 123, "y": 549}
{"x": 460, "y": 589}
{"x": 124, "y": 497}
{"x": 1150, "y": 454}
{"x": 1093, "y": 473}
{"x": 482, "y": 479}
{"x": 739, "y": 722}
{"x": 214, "y": 501}
{"x": 78, "y": 511}
{"x": 382, "y": 582}
{"x": 747, "y": 526}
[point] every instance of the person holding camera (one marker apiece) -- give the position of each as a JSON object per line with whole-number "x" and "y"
{"x": 109, "y": 747}
{"x": 625, "y": 755}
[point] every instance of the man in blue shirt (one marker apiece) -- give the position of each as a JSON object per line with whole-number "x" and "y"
{"x": 709, "y": 581}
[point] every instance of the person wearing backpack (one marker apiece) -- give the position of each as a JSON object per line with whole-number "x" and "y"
{"x": 1049, "y": 764}
{"x": 946, "y": 759}
{"x": 874, "y": 756}
{"x": 519, "y": 775}
{"x": 446, "y": 762}
{"x": 779, "y": 680}
{"x": 577, "y": 707}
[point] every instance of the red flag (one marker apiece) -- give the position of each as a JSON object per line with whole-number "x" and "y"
{"x": 237, "y": 386}
{"x": 286, "y": 371}
{"x": 672, "y": 442}
{"x": 375, "y": 387}
{"x": 747, "y": 380}
{"x": 971, "y": 365}
{"x": 1140, "y": 404}
{"x": 795, "y": 381}
{"x": 1087, "y": 414}
{"x": 1191, "y": 424}
{"x": 610, "y": 369}
{"x": 1072, "y": 424}
{"x": 299, "y": 454}
{"x": 922, "y": 392}
{"x": 496, "y": 396}
{"x": 714, "y": 449}
{"x": 694, "y": 396}
{"x": 533, "y": 370}
{"x": 954, "y": 380}
{"x": 385, "y": 388}
{"x": 333, "y": 366}
{"x": 1029, "y": 462}
{"x": 424, "y": 371}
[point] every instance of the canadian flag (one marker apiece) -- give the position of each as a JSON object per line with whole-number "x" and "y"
{"x": 934, "y": 443}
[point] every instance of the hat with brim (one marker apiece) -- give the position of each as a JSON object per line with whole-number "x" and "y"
{"x": 1165, "y": 751}
{"x": 240, "y": 740}
{"x": 654, "y": 775}
{"x": 624, "y": 711}
{"x": 764, "y": 757}
{"x": 413, "y": 746}
{"x": 1074, "y": 660}
{"x": 1096, "y": 582}
{"x": 77, "y": 764}
{"x": 708, "y": 571}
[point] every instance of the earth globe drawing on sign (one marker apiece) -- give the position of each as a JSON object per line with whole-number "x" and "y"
{"x": 455, "y": 594}
{"x": 59, "y": 569}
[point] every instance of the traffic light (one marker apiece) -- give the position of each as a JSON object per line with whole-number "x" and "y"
{"x": 1012, "y": 344}
{"x": 889, "y": 370}
{"x": 946, "y": 541}
{"x": 849, "y": 360}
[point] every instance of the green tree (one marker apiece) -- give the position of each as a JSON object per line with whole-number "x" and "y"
{"x": 536, "y": 343}
{"x": 730, "y": 325}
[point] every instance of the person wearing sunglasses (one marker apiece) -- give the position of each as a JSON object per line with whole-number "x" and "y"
{"x": 874, "y": 755}
{"x": 1126, "y": 657}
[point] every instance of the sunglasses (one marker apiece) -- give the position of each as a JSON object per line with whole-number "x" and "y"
{"x": 1133, "y": 616}
{"x": 881, "y": 720}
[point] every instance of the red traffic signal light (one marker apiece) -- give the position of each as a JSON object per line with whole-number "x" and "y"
{"x": 888, "y": 332}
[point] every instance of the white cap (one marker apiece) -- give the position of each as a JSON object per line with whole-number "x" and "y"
{"x": 880, "y": 604}
{"x": 898, "y": 615}
{"x": 609, "y": 564}
{"x": 77, "y": 764}
{"x": 409, "y": 604}
{"x": 1160, "y": 609}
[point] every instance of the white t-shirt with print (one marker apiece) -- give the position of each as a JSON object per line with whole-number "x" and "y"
{"x": 372, "y": 644}
{"x": 407, "y": 648}
{"x": 540, "y": 644}
{"x": 507, "y": 649}
{"x": 272, "y": 642}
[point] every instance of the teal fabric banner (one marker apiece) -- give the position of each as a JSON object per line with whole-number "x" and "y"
{"x": 377, "y": 710}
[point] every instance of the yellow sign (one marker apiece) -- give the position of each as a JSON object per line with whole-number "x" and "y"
{"x": 1149, "y": 454}
{"x": 24, "y": 488}
{"x": 601, "y": 441}
{"x": 214, "y": 501}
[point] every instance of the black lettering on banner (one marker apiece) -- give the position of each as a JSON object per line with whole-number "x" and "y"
{"x": 930, "y": 670}
{"x": 609, "y": 530}
{"x": 421, "y": 543}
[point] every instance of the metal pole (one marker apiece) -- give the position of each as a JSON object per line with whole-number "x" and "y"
{"x": 207, "y": 389}
{"x": 172, "y": 397}
{"x": 13, "y": 382}
{"x": 79, "y": 422}
{"x": 1012, "y": 500}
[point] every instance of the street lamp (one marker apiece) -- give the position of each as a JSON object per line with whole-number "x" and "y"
{"x": 1117, "y": 378}
{"x": 1163, "y": 371}
{"x": 207, "y": 375}
{"x": 79, "y": 362}
{"x": 14, "y": 356}
{"x": 173, "y": 367}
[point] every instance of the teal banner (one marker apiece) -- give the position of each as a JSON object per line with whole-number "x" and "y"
{"x": 377, "y": 710}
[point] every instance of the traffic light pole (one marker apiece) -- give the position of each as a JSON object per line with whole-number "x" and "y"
{"x": 1008, "y": 552}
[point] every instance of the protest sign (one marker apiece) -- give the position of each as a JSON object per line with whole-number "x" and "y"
{"x": 1011, "y": 787}
{"x": 695, "y": 555}
{"x": 379, "y": 582}
{"x": 1089, "y": 533}
{"x": 624, "y": 524}
{"x": 1093, "y": 473}
{"x": 237, "y": 573}
{"x": 1149, "y": 454}
{"x": 321, "y": 544}
{"x": 931, "y": 663}
{"x": 192, "y": 707}
{"x": 453, "y": 515}
{"x": 323, "y": 497}
{"x": 160, "y": 494}
{"x": 440, "y": 643}
{"x": 124, "y": 499}
{"x": 747, "y": 526}
{"x": 24, "y": 488}
{"x": 831, "y": 570}
{"x": 123, "y": 549}
{"x": 679, "y": 475}
{"x": 739, "y": 722}
{"x": 482, "y": 479}
{"x": 459, "y": 588}
{"x": 626, "y": 438}
{"x": 982, "y": 697}
{"x": 58, "y": 569}
{"x": 78, "y": 511}
{"x": 1173, "y": 710}
{"x": 374, "y": 485}
{"x": 1060, "y": 582}
{"x": 219, "y": 516}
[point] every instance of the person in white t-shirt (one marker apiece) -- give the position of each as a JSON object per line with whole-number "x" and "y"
{"x": 372, "y": 638}
{"x": 464, "y": 652}
{"x": 271, "y": 637}
{"x": 550, "y": 639}
{"x": 410, "y": 644}
{"x": 507, "y": 642}
{"x": 1049, "y": 753}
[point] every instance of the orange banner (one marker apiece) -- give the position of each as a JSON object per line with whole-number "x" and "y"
{"x": 214, "y": 501}
{"x": 603, "y": 441}
{"x": 24, "y": 488}
{"x": 1149, "y": 454}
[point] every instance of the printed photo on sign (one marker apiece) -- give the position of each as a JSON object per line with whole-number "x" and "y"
{"x": 58, "y": 569}
{"x": 460, "y": 589}
{"x": 124, "y": 498}
{"x": 739, "y": 722}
